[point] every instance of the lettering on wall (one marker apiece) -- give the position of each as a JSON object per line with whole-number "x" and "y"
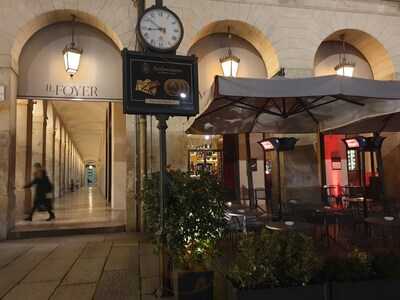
{"x": 71, "y": 91}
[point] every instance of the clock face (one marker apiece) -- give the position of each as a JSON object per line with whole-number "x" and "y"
{"x": 161, "y": 29}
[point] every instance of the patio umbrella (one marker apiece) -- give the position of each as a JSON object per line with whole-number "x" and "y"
{"x": 304, "y": 105}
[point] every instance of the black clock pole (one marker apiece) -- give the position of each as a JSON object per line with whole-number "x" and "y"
{"x": 165, "y": 287}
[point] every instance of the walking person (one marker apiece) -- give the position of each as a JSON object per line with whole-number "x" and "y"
{"x": 43, "y": 187}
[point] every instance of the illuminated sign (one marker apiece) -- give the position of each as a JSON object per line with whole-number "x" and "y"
{"x": 267, "y": 145}
{"x": 352, "y": 143}
{"x": 160, "y": 84}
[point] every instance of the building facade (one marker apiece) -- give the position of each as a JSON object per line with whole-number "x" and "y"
{"x": 268, "y": 35}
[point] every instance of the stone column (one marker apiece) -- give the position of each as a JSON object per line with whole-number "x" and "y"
{"x": 64, "y": 152}
{"x": 8, "y": 79}
{"x": 21, "y": 154}
{"x": 118, "y": 187}
{"x": 37, "y": 133}
{"x": 57, "y": 142}
{"x": 49, "y": 141}
{"x": 131, "y": 207}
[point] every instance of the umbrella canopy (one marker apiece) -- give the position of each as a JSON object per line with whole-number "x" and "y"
{"x": 304, "y": 105}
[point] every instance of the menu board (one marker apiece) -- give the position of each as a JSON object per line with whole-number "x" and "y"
{"x": 160, "y": 84}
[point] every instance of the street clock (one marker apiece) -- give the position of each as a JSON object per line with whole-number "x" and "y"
{"x": 160, "y": 30}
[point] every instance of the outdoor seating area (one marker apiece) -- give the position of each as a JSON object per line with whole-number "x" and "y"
{"x": 342, "y": 226}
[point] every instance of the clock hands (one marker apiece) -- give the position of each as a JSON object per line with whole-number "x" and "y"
{"x": 162, "y": 29}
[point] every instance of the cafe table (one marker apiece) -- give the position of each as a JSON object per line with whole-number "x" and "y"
{"x": 288, "y": 226}
{"x": 357, "y": 201}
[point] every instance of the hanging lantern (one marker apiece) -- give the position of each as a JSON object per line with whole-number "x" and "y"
{"x": 344, "y": 68}
{"x": 230, "y": 63}
{"x": 72, "y": 54}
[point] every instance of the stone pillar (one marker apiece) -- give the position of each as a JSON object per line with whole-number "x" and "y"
{"x": 21, "y": 155}
{"x": 49, "y": 141}
{"x": 63, "y": 161}
{"x": 57, "y": 142}
{"x": 37, "y": 133}
{"x": 131, "y": 207}
{"x": 118, "y": 151}
{"x": 8, "y": 79}
{"x": 67, "y": 157}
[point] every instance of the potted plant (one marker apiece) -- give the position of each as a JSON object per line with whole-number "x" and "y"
{"x": 275, "y": 265}
{"x": 362, "y": 276}
{"x": 194, "y": 221}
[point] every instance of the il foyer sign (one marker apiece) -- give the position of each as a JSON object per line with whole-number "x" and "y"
{"x": 71, "y": 91}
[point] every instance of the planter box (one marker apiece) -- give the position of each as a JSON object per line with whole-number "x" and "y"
{"x": 193, "y": 285}
{"x": 366, "y": 290}
{"x": 312, "y": 292}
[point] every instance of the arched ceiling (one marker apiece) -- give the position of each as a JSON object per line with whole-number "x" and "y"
{"x": 86, "y": 123}
{"x": 376, "y": 55}
{"x": 249, "y": 33}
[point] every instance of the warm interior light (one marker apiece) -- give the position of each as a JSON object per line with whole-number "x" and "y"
{"x": 352, "y": 143}
{"x": 207, "y": 137}
{"x": 267, "y": 145}
{"x": 230, "y": 65}
{"x": 72, "y": 57}
{"x": 345, "y": 69}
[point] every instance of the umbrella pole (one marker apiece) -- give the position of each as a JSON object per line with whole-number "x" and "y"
{"x": 379, "y": 162}
{"x": 279, "y": 185}
{"x": 363, "y": 184}
{"x": 250, "y": 183}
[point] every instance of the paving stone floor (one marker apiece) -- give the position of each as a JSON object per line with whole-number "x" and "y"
{"x": 79, "y": 209}
{"x": 103, "y": 266}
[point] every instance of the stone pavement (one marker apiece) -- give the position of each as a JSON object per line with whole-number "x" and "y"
{"x": 103, "y": 266}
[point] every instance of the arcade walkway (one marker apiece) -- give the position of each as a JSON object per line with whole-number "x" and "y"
{"x": 79, "y": 210}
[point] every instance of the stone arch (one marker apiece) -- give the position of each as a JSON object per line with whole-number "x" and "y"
{"x": 369, "y": 46}
{"x": 247, "y": 32}
{"x": 56, "y": 16}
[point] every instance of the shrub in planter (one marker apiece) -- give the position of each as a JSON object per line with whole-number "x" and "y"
{"x": 354, "y": 267}
{"x": 363, "y": 277}
{"x": 194, "y": 221}
{"x": 386, "y": 266}
{"x": 275, "y": 264}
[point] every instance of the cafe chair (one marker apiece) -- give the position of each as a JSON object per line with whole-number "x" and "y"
{"x": 252, "y": 224}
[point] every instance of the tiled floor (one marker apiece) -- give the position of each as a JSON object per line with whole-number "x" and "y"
{"x": 83, "y": 208}
{"x": 112, "y": 266}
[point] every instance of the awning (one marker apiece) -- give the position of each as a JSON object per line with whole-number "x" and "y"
{"x": 330, "y": 103}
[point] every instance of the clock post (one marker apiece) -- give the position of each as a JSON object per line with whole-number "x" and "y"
{"x": 159, "y": 83}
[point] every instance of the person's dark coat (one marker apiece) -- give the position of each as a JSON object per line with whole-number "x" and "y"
{"x": 43, "y": 187}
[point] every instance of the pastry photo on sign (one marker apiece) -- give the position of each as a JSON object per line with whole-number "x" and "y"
{"x": 147, "y": 86}
{"x": 176, "y": 87}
